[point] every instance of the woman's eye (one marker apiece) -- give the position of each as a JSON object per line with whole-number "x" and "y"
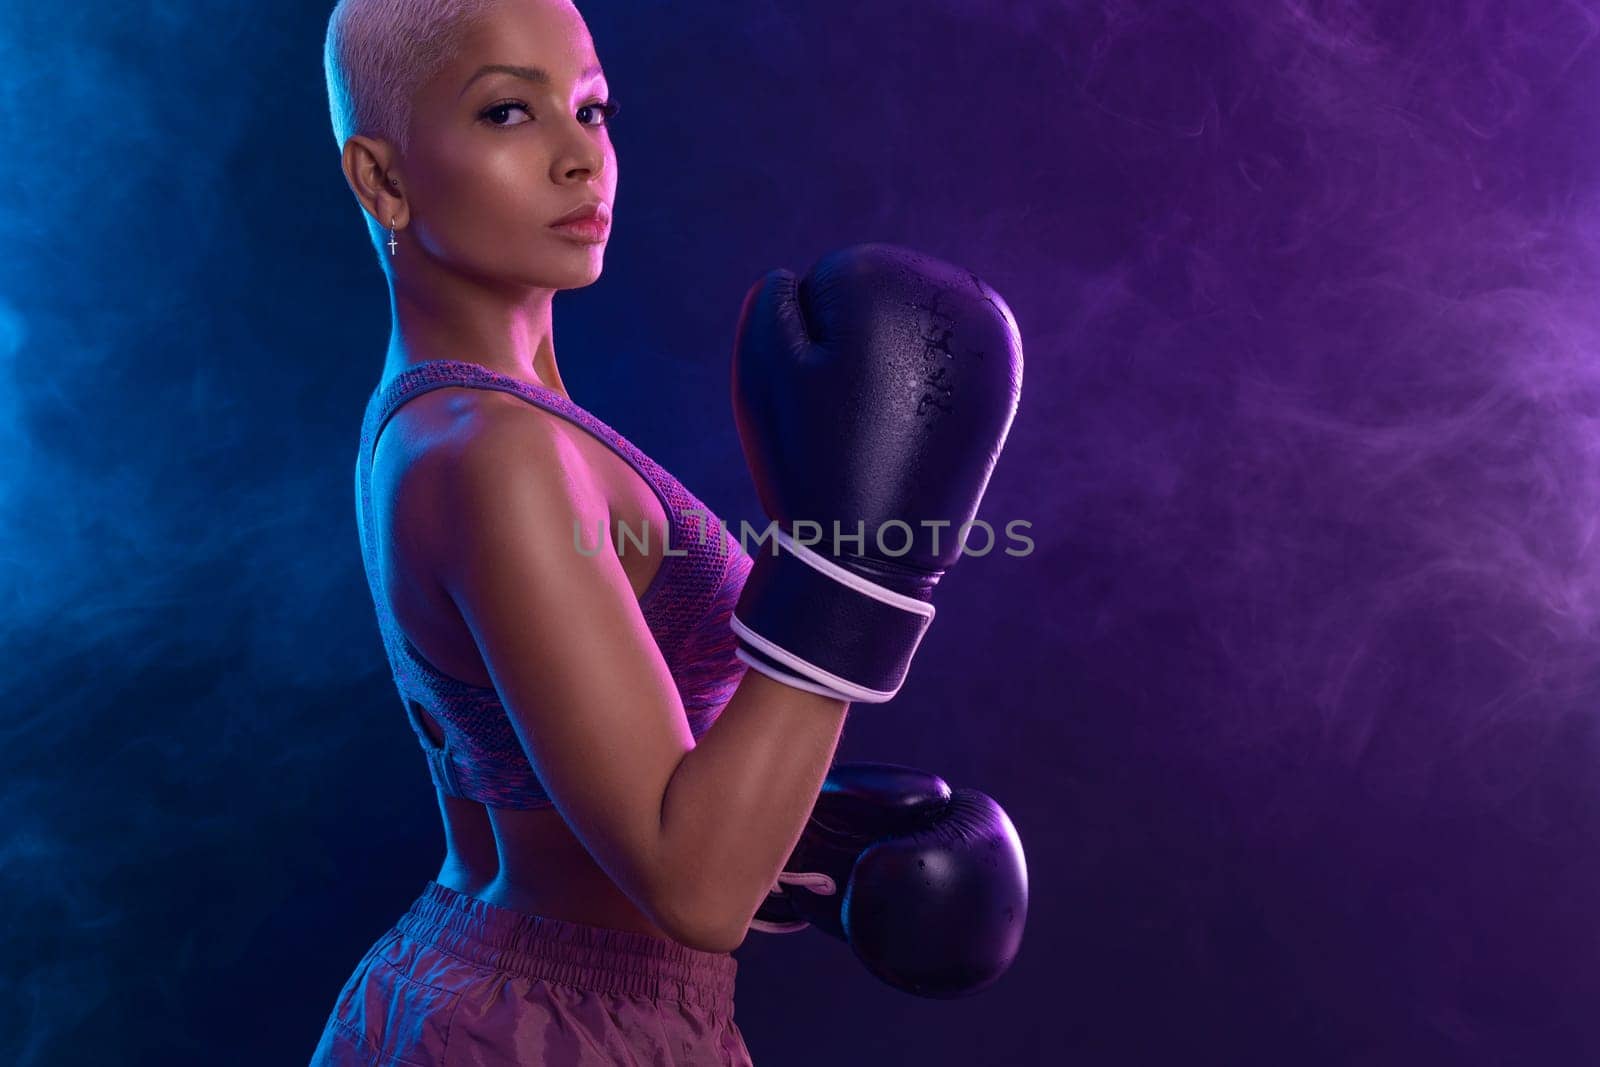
{"x": 509, "y": 105}
{"x": 604, "y": 108}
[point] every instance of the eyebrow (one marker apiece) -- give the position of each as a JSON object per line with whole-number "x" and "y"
{"x": 532, "y": 74}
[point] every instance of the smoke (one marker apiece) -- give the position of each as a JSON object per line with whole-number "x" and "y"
{"x": 163, "y": 546}
{"x": 1308, "y": 440}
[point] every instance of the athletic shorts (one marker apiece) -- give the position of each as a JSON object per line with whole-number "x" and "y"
{"x": 460, "y": 982}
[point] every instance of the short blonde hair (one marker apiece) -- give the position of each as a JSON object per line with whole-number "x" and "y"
{"x": 378, "y": 53}
{"x": 375, "y": 57}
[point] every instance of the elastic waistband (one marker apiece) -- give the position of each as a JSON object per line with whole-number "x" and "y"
{"x": 586, "y": 957}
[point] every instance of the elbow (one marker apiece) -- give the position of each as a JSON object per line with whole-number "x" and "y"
{"x": 706, "y": 929}
{"x": 721, "y": 938}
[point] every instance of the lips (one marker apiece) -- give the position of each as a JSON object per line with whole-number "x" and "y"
{"x": 592, "y": 211}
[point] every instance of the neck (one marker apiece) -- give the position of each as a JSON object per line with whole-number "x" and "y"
{"x": 454, "y": 318}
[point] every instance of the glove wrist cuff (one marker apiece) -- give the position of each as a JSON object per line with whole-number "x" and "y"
{"x": 819, "y": 621}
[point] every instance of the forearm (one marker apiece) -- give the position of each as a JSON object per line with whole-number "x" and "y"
{"x": 735, "y": 806}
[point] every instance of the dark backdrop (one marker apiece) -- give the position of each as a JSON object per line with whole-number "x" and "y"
{"x": 1293, "y": 705}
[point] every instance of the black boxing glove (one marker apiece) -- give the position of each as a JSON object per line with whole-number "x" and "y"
{"x": 928, "y": 886}
{"x": 872, "y": 398}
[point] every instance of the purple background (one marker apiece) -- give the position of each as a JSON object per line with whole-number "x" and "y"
{"x": 1292, "y": 706}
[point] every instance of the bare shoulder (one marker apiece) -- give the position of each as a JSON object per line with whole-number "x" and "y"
{"x": 504, "y": 470}
{"x": 471, "y": 440}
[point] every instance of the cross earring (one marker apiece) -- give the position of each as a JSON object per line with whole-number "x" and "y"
{"x": 392, "y": 244}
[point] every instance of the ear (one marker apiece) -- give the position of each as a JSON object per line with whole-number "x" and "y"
{"x": 368, "y": 164}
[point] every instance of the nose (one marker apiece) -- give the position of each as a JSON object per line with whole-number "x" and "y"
{"x": 582, "y": 155}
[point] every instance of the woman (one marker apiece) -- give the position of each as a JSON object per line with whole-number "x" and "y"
{"x": 619, "y": 794}
{"x": 583, "y": 933}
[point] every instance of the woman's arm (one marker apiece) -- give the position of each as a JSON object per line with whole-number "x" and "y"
{"x": 739, "y": 800}
{"x": 693, "y": 834}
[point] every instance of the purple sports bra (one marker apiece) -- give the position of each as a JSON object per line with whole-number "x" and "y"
{"x": 687, "y": 606}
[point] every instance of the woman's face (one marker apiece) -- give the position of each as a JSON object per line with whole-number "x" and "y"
{"x": 496, "y": 156}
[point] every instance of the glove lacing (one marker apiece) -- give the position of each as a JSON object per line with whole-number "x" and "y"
{"x": 811, "y": 881}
